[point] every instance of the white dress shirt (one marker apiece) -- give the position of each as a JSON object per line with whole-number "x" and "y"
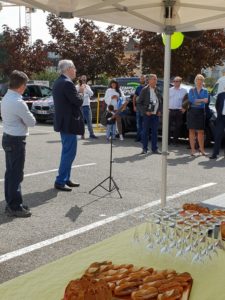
{"x": 16, "y": 117}
{"x": 87, "y": 94}
{"x": 176, "y": 97}
{"x": 154, "y": 99}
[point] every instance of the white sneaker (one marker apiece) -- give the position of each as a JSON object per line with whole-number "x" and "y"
{"x": 121, "y": 137}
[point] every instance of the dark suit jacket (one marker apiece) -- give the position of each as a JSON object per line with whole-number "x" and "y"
{"x": 144, "y": 100}
{"x": 67, "y": 103}
{"x": 219, "y": 104}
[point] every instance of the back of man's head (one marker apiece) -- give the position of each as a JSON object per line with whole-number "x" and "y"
{"x": 64, "y": 65}
{"x": 17, "y": 79}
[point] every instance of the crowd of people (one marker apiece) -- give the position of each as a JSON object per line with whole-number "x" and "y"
{"x": 72, "y": 107}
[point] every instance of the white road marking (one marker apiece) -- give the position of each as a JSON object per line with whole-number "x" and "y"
{"x": 54, "y": 170}
{"x": 217, "y": 201}
{"x": 94, "y": 225}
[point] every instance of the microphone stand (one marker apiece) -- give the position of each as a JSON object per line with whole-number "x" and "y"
{"x": 112, "y": 184}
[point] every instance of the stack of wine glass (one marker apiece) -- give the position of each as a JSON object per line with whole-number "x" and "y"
{"x": 187, "y": 234}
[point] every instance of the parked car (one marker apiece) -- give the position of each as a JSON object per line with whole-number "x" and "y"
{"x": 43, "y": 109}
{"x": 32, "y": 93}
{"x": 35, "y": 92}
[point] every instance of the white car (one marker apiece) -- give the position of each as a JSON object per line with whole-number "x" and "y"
{"x": 43, "y": 109}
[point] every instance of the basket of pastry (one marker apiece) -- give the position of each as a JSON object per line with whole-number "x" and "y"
{"x": 141, "y": 283}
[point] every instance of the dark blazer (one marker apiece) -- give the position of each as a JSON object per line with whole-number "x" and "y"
{"x": 219, "y": 104}
{"x": 67, "y": 103}
{"x": 144, "y": 100}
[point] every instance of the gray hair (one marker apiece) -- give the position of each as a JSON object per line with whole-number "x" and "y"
{"x": 152, "y": 76}
{"x": 64, "y": 65}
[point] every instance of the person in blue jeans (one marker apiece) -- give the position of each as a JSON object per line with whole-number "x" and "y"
{"x": 68, "y": 121}
{"x": 139, "y": 116}
{"x": 150, "y": 103}
{"x": 86, "y": 107}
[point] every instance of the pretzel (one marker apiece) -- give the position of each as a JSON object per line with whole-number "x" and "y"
{"x": 126, "y": 288}
{"x": 153, "y": 278}
{"x": 145, "y": 294}
{"x": 169, "y": 286}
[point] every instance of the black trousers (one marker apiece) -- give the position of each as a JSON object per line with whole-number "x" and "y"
{"x": 219, "y": 133}
{"x": 175, "y": 123}
{"x": 14, "y": 147}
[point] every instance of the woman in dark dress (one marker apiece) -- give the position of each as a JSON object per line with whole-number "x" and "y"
{"x": 198, "y": 97}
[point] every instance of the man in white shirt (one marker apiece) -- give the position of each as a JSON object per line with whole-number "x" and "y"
{"x": 86, "y": 107}
{"x": 16, "y": 119}
{"x": 176, "y": 96}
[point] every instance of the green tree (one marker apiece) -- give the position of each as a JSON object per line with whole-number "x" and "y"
{"x": 94, "y": 52}
{"x": 18, "y": 54}
{"x": 194, "y": 54}
{"x": 51, "y": 76}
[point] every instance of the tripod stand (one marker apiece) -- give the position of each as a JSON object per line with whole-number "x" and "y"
{"x": 112, "y": 184}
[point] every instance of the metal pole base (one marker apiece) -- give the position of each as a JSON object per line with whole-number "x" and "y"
{"x": 111, "y": 188}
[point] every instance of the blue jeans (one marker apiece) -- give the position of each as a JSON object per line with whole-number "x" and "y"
{"x": 150, "y": 122}
{"x": 14, "y": 147}
{"x": 139, "y": 125}
{"x": 111, "y": 131}
{"x": 87, "y": 114}
{"x": 69, "y": 150}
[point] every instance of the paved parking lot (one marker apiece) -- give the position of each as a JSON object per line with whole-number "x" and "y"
{"x": 65, "y": 222}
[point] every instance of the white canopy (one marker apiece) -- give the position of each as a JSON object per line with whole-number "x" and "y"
{"x": 187, "y": 15}
{"x": 151, "y": 15}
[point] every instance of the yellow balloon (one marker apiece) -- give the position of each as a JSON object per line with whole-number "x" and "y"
{"x": 177, "y": 39}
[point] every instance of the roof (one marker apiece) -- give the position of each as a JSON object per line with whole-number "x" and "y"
{"x": 150, "y": 15}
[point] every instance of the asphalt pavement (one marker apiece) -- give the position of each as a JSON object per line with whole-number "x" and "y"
{"x": 62, "y": 223}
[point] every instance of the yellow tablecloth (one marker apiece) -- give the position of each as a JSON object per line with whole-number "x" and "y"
{"x": 48, "y": 282}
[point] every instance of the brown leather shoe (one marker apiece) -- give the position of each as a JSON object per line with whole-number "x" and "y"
{"x": 72, "y": 184}
{"x": 62, "y": 188}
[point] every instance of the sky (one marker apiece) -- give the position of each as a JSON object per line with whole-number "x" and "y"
{"x": 14, "y": 16}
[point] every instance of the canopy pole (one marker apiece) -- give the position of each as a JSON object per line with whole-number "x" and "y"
{"x": 165, "y": 122}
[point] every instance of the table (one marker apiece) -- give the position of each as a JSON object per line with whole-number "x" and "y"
{"x": 48, "y": 282}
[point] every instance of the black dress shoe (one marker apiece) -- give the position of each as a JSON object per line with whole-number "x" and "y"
{"x": 21, "y": 213}
{"x": 92, "y": 136}
{"x": 72, "y": 184}
{"x": 143, "y": 152}
{"x": 62, "y": 188}
{"x": 7, "y": 208}
{"x": 213, "y": 157}
{"x": 156, "y": 152}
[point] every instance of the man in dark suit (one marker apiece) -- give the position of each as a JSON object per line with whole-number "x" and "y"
{"x": 220, "y": 124}
{"x": 67, "y": 120}
{"x": 150, "y": 105}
